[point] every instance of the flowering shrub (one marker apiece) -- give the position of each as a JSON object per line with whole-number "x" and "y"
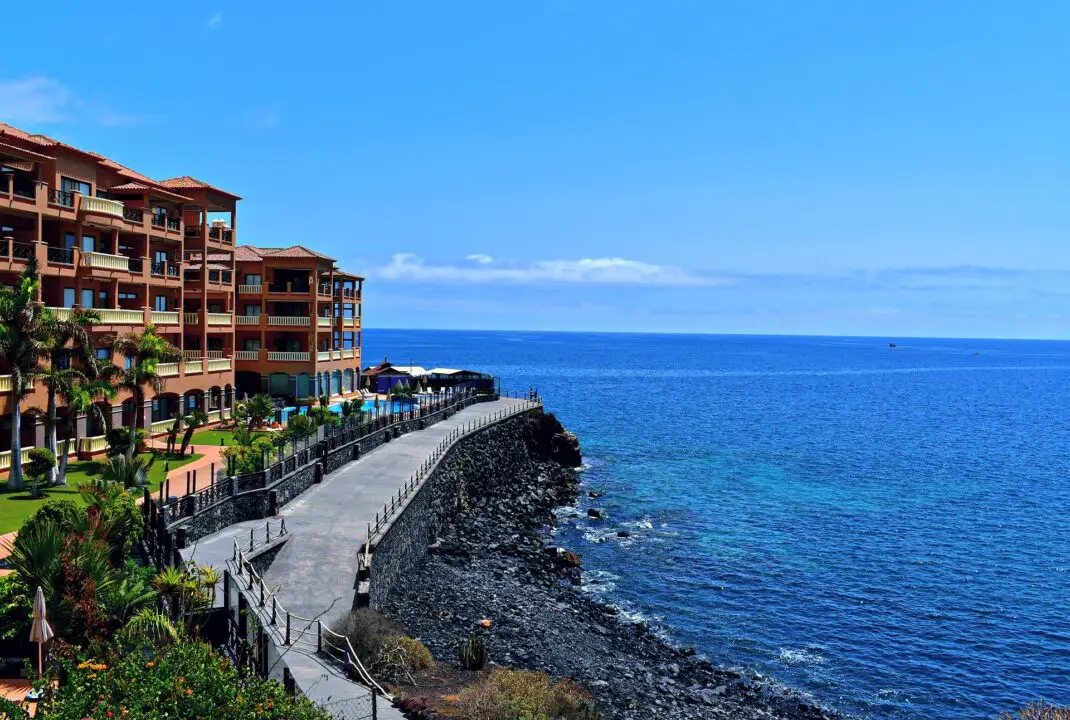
{"x": 184, "y": 680}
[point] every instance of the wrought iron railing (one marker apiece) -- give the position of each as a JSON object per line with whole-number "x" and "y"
{"x": 22, "y": 251}
{"x": 61, "y": 256}
{"x": 134, "y": 214}
{"x": 193, "y": 230}
{"x": 61, "y": 197}
{"x": 159, "y": 220}
{"x": 27, "y": 191}
{"x": 158, "y": 268}
{"x": 174, "y": 223}
{"x": 136, "y": 265}
{"x": 172, "y": 270}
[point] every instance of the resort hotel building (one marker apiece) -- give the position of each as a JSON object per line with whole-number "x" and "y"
{"x": 247, "y": 319}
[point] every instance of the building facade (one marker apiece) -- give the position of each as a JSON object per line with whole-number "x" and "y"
{"x": 141, "y": 251}
{"x": 298, "y": 327}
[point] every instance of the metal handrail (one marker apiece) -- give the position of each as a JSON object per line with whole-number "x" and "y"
{"x": 255, "y": 580}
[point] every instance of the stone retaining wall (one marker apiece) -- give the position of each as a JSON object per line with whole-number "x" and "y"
{"x": 475, "y": 469}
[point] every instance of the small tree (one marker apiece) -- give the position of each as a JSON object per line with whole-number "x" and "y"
{"x": 259, "y": 408}
{"x": 42, "y": 461}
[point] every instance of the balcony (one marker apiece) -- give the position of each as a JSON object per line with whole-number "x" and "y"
{"x": 288, "y": 356}
{"x": 250, "y": 289}
{"x": 193, "y": 230}
{"x": 221, "y": 234}
{"x": 174, "y": 224}
{"x": 323, "y": 355}
{"x": 134, "y": 215}
{"x": 5, "y": 383}
{"x": 324, "y": 291}
{"x": 347, "y": 352}
{"x": 323, "y": 322}
{"x": 121, "y": 317}
{"x": 217, "y": 277}
{"x": 105, "y": 261}
{"x": 285, "y": 320}
{"x": 92, "y": 445}
{"x": 246, "y": 319}
{"x": 239, "y": 355}
{"x": 194, "y": 367}
{"x": 102, "y": 206}
{"x": 288, "y": 289}
{"x": 60, "y": 256}
{"x": 62, "y": 198}
{"x": 220, "y": 318}
{"x": 167, "y": 369}
{"x": 218, "y": 364}
{"x": 191, "y": 318}
{"x": 191, "y": 354}
{"x": 164, "y": 318}
{"x": 350, "y": 322}
{"x": 172, "y": 270}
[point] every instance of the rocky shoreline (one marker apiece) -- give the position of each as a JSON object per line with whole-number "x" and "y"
{"x": 493, "y": 562}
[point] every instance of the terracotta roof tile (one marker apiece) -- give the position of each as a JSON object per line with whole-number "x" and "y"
{"x": 294, "y": 251}
{"x": 186, "y": 182}
{"x": 247, "y": 253}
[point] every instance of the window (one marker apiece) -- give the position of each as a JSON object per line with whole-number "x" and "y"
{"x": 161, "y": 303}
{"x": 128, "y": 362}
{"x": 102, "y": 194}
{"x": 68, "y": 297}
{"x": 70, "y": 241}
{"x": 87, "y": 297}
{"x": 89, "y": 243}
{"x": 251, "y": 344}
{"x": 127, "y": 295}
{"x": 252, "y": 311}
{"x": 159, "y": 256}
{"x": 67, "y": 184}
{"x": 103, "y": 353}
{"x": 252, "y": 280}
{"x": 102, "y": 299}
{"x": 63, "y": 360}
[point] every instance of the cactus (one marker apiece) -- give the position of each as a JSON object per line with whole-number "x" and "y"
{"x": 474, "y": 653}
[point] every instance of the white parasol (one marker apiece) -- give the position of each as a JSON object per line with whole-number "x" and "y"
{"x": 40, "y": 631}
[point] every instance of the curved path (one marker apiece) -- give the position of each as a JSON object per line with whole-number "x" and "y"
{"x": 314, "y": 574}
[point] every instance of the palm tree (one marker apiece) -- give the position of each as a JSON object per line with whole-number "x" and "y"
{"x": 57, "y": 334}
{"x": 259, "y": 407}
{"x": 22, "y": 319}
{"x": 124, "y": 472}
{"x": 144, "y": 352}
{"x": 97, "y": 383}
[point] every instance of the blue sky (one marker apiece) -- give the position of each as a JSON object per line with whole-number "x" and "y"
{"x": 758, "y": 167}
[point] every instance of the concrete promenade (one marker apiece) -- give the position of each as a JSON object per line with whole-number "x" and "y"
{"x": 314, "y": 574}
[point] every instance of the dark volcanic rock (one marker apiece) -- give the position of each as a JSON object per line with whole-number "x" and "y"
{"x": 492, "y": 561}
{"x": 594, "y": 513}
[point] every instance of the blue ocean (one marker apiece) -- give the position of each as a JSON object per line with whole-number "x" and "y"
{"x": 883, "y": 528}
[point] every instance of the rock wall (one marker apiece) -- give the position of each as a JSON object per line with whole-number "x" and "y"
{"x": 499, "y": 461}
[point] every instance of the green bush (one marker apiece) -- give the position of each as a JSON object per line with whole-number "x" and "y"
{"x": 386, "y": 651}
{"x": 16, "y": 609}
{"x": 182, "y": 680}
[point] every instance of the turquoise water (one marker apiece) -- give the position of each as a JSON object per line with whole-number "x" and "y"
{"x": 882, "y": 528}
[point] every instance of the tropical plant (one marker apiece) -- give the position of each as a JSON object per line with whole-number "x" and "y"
{"x": 209, "y": 578}
{"x": 143, "y": 352}
{"x": 22, "y": 319}
{"x": 300, "y": 425}
{"x": 16, "y": 608}
{"x": 42, "y": 462}
{"x": 97, "y": 382}
{"x": 128, "y": 597}
{"x": 123, "y": 471}
{"x": 148, "y": 625}
{"x": 324, "y": 400}
{"x": 118, "y": 510}
{"x": 259, "y": 408}
{"x": 34, "y": 555}
{"x": 57, "y": 333}
{"x": 196, "y": 418}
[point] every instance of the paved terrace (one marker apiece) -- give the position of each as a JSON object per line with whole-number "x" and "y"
{"x": 315, "y": 572}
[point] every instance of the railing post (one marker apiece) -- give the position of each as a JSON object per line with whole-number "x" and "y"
{"x": 319, "y": 636}
{"x": 275, "y": 609}
{"x": 287, "y": 627}
{"x": 250, "y": 539}
{"x": 261, "y": 592}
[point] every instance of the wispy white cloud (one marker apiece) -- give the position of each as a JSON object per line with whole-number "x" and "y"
{"x": 214, "y": 22}
{"x": 34, "y": 100}
{"x": 480, "y": 258}
{"x": 585, "y": 271}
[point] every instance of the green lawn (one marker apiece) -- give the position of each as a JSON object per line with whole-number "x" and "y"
{"x": 15, "y": 507}
{"x": 212, "y": 437}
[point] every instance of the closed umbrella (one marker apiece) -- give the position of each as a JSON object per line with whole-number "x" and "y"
{"x": 40, "y": 631}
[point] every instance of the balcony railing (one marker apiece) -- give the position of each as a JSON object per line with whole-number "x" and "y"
{"x": 93, "y": 445}
{"x": 324, "y": 291}
{"x": 5, "y": 383}
{"x": 288, "y": 289}
{"x": 161, "y": 426}
{"x": 174, "y": 224}
{"x": 135, "y": 215}
{"x": 323, "y": 321}
{"x": 223, "y": 276}
{"x": 288, "y": 356}
{"x": 61, "y": 313}
{"x": 247, "y": 319}
{"x": 299, "y": 320}
{"x": 158, "y": 268}
{"x": 172, "y": 270}
{"x": 159, "y": 220}
{"x": 5, "y": 458}
{"x": 350, "y": 322}
{"x": 24, "y": 190}
{"x": 60, "y": 256}
{"x": 191, "y": 354}
{"x": 218, "y": 364}
{"x": 191, "y": 318}
{"x": 242, "y": 355}
{"x": 250, "y": 289}
{"x": 221, "y": 234}
{"x": 164, "y": 318}
{"x": 21, "y": 251}
{"x": 323, "y": 355}
{"x": 62, "y": 198}
{"x": 215, "y": 354}
{"x": 121, "y": 317}
{"x": 106, "y": 261}
{"x": 136, "y": 265}
{"x": 193, "y": 230}
{"x": 102, "y": 206}
{"x": 167, "y": 369}
{"x": 220, "y": 319}
{"x": 347, "y": 352}
{"x": 194, "y": 367}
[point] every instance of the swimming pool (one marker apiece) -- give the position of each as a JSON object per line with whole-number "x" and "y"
{"x": 368, "y": 407}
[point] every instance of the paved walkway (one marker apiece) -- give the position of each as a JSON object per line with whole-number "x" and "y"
{"x": 316, "y": 569}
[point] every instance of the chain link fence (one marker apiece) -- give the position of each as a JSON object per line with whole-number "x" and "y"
{"x": 356, "y": 708}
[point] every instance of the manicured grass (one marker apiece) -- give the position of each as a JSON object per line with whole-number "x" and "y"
{"x": 212, "y": 437}
{"x": 15, "y": 507}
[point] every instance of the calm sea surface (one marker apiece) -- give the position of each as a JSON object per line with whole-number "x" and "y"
{"x": 885, "y": 529}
